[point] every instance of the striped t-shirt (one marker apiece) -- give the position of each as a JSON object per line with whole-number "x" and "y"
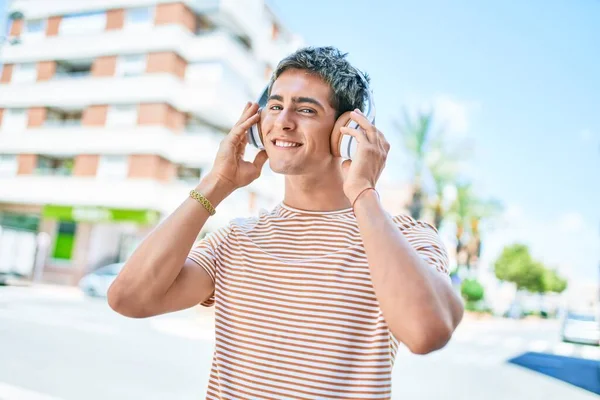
{"x": 296, "y": 315}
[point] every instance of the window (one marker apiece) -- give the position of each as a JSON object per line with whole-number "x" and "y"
{"x": 34, "y": 29}
{"x": 14, "y": 120}
{"x": 131, "y": 65}
{"x": 8, "y": 165}
{"x": 59, "y": 166}
{"x": 113, "y": 167}
{"x": 55, "y": 117}
{"x": 35, "y": 26}
{"x": 122, "y": 116}
{"x": 82, "y": 23}
{"x": 189, "y": 175}
{"x": 140, "y": 17}
{"x": 73, "y": 69}
{"x": 24, "y": 73}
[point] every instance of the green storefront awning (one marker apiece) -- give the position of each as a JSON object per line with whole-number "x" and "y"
{"x": 100, "y": 214}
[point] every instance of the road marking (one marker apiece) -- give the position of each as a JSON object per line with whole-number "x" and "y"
{"x": 539, "y": 346}
{"x": 10, "y": 392}
{"x": 564, "y": 349}
{"x": 592, "y": 353}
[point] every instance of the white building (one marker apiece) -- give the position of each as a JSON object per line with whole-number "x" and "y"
{"x": 112, "y": 110}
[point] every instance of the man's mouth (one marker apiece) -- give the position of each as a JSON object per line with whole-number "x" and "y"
{"x": 285, "y": 143}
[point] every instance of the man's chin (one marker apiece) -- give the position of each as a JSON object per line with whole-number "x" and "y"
{"x": 286, "y": 168}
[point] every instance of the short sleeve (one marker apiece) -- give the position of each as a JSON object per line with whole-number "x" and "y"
{"x": 426, "y": 240}
{"x": 205, "y": 253}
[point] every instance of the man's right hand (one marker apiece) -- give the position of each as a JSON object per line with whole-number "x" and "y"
{"x": 229, "y": 166}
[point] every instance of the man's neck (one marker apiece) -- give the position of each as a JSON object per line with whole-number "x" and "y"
{"x": 315, "y": 193}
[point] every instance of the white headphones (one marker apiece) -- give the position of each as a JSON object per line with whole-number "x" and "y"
{"x": 341, "y": 145}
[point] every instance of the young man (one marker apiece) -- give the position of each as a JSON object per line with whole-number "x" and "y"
{"x": 313, "y": 297}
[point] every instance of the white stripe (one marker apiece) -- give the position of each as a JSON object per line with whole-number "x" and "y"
{"x": 309, "y": 283}
{"x": 321, "y": 359}
{"x": 308, "y": 334}
{"x": 275, "y": 368}
{"x": 290, "y": 389}
{"x": 305, "y": 327}
{"x": 346, "y": 295}
{"x": 10, "y": 392}
{"x": 255, "y": 293}
{"x": 336, "y": 350}
{"x": 280, "y": 306}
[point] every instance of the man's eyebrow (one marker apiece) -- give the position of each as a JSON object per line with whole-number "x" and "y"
{"x": 275, "y": 97}
{"x": 309, "y": 100}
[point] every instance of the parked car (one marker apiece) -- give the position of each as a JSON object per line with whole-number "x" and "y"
{"x": 581, "y": 327}
{"x": 97, "y": 282}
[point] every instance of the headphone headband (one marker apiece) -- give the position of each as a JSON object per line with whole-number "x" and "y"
{"x": 369, "y": 103}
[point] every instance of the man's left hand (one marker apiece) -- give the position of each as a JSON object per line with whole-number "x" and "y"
{"x": 364, "y": 170}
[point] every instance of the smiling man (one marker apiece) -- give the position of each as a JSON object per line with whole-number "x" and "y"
{"x": 313, "y": 297}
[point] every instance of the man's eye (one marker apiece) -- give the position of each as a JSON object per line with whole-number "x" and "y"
{"x": 276, "y": 108}
{"x": 307, "y": 111}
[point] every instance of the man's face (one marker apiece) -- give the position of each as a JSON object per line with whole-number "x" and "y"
{"x": 297, "y": 123}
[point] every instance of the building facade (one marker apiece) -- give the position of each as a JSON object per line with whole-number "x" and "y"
{"x": 111, "y": 111}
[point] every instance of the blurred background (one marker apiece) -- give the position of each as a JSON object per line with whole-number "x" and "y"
{"x": 111, "y": 110}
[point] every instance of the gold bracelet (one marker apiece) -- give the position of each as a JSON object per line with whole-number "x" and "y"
{"x": 203, "y": 200}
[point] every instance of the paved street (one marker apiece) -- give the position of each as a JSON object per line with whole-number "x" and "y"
{"x": 58, "y": 345}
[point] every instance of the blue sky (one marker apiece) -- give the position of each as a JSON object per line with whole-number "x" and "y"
{"x": 518, "y": 78}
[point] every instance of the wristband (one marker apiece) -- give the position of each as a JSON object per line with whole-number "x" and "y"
{"x": 364, "y": 190}
{"x": 203, "y": 200}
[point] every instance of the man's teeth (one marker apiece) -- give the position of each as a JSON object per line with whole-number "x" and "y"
{"x": 281, "y": 143}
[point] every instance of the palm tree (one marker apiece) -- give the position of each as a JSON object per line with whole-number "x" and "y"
{"x": 416, "y": 134}
{"x": 469, "y": 212}
{"x": 444, "y": 165}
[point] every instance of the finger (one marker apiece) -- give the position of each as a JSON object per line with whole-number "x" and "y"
{"x": 358, "y": 134}
{"x": 241, "y": 118}
{"x": 260, "y": 159}
{"x": 242, "y": 127}
{"x": 363, "y": 122}
{"x": 249, "y": 110}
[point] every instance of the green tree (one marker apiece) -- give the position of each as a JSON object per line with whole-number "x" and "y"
{"x": 472, "y": 290}
{"x": 553, "y": 282}
{"x": 516, "y": 265}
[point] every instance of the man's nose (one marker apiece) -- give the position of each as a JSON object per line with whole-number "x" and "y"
{"x": 284, "y": 120}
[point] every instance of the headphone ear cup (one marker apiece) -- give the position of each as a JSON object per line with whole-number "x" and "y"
{"x": 336, "y": 134}
{"x": 255, "y": 135}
